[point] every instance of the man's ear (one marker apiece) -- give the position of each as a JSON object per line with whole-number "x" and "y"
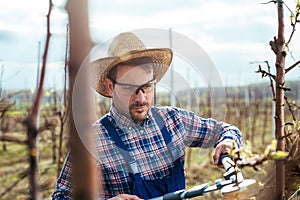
{"x": 109, "y": 86}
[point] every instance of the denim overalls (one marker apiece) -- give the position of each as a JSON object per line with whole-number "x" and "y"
{"x": 147, "y": 189}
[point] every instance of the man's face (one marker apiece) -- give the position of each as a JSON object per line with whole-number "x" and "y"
{"x": 133, "y": 92}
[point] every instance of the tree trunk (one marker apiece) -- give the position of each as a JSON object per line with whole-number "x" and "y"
{"x": 32, "y": 122}
{"x": 34, "y": 185}
{"x": 3, "y": 129}
{"x": 84, "y": 176}
{"x": 279, "y": 109}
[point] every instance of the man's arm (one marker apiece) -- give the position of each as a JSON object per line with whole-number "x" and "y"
{"x": 208, "y": 133}
{"x": 63, "y": 184}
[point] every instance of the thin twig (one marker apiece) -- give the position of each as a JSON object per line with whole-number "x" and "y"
{"x": 269, "y": 2}
{"x": 265, "y": 73}
{"x": 293, "y": 31}
{"x": 8, "y": 138}
{"x": 290, "y": 108}
{"x": 271, "y": 80}
{"x": 11, "y": 95}
{"x": 292, "y": 66}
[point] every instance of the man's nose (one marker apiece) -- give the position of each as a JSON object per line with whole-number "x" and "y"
{"x": 140, "y": 95}
{"x": 138, "y": 89}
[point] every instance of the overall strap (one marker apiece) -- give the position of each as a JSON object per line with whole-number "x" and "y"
{"x": 160, "y": 122}
{"x": 122, "y": 148}
{"x": 172, "y": 149}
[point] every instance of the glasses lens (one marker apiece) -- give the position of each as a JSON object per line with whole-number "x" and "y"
{"x": 130, "y": 89}
{"x": 148, "y": 87}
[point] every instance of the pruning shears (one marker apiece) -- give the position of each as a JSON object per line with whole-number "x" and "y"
{"x": 233, "y": 181}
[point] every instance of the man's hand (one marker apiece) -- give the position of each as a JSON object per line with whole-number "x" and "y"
{"x": 125, "y": 197}
{"x": 221, "y": 149}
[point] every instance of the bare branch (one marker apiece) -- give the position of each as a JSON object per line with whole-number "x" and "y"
{"x": 290, "y": 108}
{"x": 8, "y": 138}
{"x": 271, "y": 76}
{"x": 281, "y": 86}
{"x": 5, "y": 108}
{"x": 47, "y": 126}
{"x": 271, "y": 80}
{"x": 270, "y": 2}
{"x": 292, "y": 66}
{"x": 11, "y": 95}
{"x": 293, "y": 30}
{"x": 264, "y": 73}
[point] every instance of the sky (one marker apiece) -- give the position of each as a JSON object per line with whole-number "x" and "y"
{"x": 234, "y": 35}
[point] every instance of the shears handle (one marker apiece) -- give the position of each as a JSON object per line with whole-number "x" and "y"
{"x": 226, "y": 161}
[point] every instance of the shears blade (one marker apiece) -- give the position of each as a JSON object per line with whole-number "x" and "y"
{"x": 235, "y": 187}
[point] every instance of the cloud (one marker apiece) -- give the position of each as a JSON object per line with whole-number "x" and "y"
{"x": 214, "y": 24}
{"x": 233, "y": 33}
{"x": 6, "y": 36}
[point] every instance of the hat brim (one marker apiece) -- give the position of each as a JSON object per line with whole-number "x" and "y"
{"x": 162, "y": 56}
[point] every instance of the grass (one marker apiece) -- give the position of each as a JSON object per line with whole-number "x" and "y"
{"x": 14, "y": 172}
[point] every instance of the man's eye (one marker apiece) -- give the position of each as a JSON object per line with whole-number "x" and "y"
{"x": 148, "y": 85}
{"x": 129, "y": 88}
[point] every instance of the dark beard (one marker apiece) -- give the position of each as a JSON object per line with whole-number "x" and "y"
{"x": 138, "y": 104}
{"x": 134, "y": 105}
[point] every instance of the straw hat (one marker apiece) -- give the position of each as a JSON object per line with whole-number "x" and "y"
{"x": 124, "y": 47}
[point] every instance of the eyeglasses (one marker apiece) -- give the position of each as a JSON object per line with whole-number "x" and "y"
{"x": 129, "y": 88}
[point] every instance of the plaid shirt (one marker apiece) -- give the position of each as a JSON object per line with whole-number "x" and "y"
{"x": 148, "y": 148}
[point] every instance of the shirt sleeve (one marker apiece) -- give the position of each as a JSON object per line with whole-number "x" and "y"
{"x": 206, "y": 133}
{"x": 63, "y": 184}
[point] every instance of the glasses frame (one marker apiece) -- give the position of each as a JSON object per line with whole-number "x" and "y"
{"x": 138, "y": 87}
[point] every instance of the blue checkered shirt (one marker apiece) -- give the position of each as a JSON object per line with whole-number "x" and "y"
{"x": 148, "y": 148}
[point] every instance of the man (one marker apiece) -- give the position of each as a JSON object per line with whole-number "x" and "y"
{"x": 140, "y": 148}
